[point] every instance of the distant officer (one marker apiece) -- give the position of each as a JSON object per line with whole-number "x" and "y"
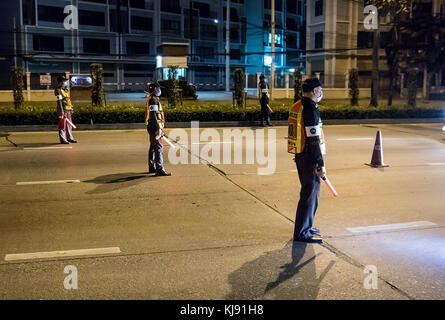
{"x": 264, "y": 101}
{"x": 154, "y": 120}
{"x": 306, "y": 142}
{"x": 64, "y": 111}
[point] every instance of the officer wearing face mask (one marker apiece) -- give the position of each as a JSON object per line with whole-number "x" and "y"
{"x": 264, "y": 101}
{"x": 306, "y": 142}
{"x": 64, "y": 111}
{"x": 154, "y": 120}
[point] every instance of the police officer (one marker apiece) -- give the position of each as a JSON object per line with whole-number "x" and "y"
{"x": 306, "y": 142}
{"x": 154, "y": 120}
{"x": 264, "y": 101}
{"x": 64, "y": 111}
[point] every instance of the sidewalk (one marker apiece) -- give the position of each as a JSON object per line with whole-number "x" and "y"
{"x": 213, "y": 124}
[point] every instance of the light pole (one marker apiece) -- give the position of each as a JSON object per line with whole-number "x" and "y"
{"x": 272, "y": 66}
{"x": 228, "y": 46}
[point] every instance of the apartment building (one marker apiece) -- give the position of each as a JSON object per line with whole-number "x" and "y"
{"x": 337, "y": 40}
{"x": 125, "y": 36}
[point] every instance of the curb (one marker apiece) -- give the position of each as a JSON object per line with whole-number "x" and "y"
{"x": 215, "y": 124}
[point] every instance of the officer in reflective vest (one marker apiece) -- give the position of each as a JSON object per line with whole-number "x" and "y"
{"x": 64, "y": 111}
{"x": 264, "y": 101}
{"x": 154, "y": 120}
{"x": 306, "y": 142}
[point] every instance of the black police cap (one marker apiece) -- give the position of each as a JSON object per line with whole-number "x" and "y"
{"x": 61, "y": 79}
{"x": 310, "y": 84}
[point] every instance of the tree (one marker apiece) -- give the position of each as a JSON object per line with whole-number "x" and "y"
{"x": 240, "y": 81}
{"x": 17, "y": 74}
{"x": 172, "y": 87}
{"x": 398, "y": 11}
{"x": 412, "y": 88}
{"x": 353, "y": 87}
{"x": 97, "y": 94}
{"x": 298, "y": 83}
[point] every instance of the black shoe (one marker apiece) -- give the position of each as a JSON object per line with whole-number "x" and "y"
{"x": 315, "y": 231}
{"x": 72, "y": 141}
{"x": 270, "y": 124}
{"x": 262, "y": 125}
{"x": 64, "y": 142}
{"x": 309, "y": 240}
{"x": 151, "y": 171}
{"x": 163, "y": 174}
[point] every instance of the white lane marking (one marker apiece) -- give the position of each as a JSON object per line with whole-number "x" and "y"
{"x": 46, "y": 148}
{"x": 436, "y": 164}
{"x": 46, "y": 182}
{"x": 353, "y": 139}
{"x": 212, "y": 142}
{"x": 394, "y": 226}
{"x": 62, "y": 253}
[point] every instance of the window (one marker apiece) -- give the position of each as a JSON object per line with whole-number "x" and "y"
{"x": 291, "y": 6}
{"x": 278, "y": 4}
{"x": 318, "y": 40}
{"x": 29, "y": 12}
{"x": 51, "y": 14}
{"x": 91, "y": 18}
{"x": 114, "y": 22}
{"x": 138, "y": 48}
{"x": 234, "y": 34}
{"x": 233, "y": 14}
{"x": 291, "y": 40}
{"x": 97, "y": 1}
{"x": 170, "y": 26}
{"x": 291, "y": 24}
{"x": 364, "y": 39}
{"x": 170, "y": 6}
{"x": 204, "y": 9}
{"x": 139, "y": 4}
{"x": 97, "y": 46}
{"x": 235, "y": 54}
{"x": 209, "y": 31}
{"x": 141, "y": 23}
{"x": 48, "y": 43}
{"x": 318, "y": 8}
{"x": 206, "y": 52}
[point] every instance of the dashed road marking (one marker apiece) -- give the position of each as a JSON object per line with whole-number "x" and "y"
{"x": 46, "y": 148}
{"x": 61, "y": 254}
{"x": 46, "y": 182}
{"x": 394, "y": 226}
{"x": 436, "y": 164}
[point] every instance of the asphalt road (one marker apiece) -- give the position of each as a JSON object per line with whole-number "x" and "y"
{"x": 221, "y": 231}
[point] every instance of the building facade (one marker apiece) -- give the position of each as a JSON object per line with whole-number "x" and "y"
{"x": 125, "y": 36}
{"x": 337, "y": 41}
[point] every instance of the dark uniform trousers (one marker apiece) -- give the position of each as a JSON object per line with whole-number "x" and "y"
{"x": 155, "y": 159}
{"x": 310, "y": 190}
{"x": 265, "y": 112}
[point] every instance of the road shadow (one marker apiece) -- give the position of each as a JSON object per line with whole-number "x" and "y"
{"x": 288, "y": 273}
{"x": 113, "y": 182}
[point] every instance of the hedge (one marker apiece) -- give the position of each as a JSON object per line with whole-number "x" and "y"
{"x": 213, "y": 112}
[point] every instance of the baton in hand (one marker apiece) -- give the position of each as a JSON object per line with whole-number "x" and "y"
{"x": 72, "y": 124}
{"x": 329, "y": 185}
{"x": 270, "y": 109}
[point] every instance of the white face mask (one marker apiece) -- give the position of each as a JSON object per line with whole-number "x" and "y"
{"x": 158, "y": 92}
{"x": 65, "y": 84}
{"x": 318, "y": 99}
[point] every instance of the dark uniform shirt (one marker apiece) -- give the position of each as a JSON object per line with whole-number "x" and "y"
{"x": 153, "y": 124}
{"x": 311, "y": 118}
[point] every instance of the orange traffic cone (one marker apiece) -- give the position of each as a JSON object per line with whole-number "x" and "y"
{"x": 377, "y": 155}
